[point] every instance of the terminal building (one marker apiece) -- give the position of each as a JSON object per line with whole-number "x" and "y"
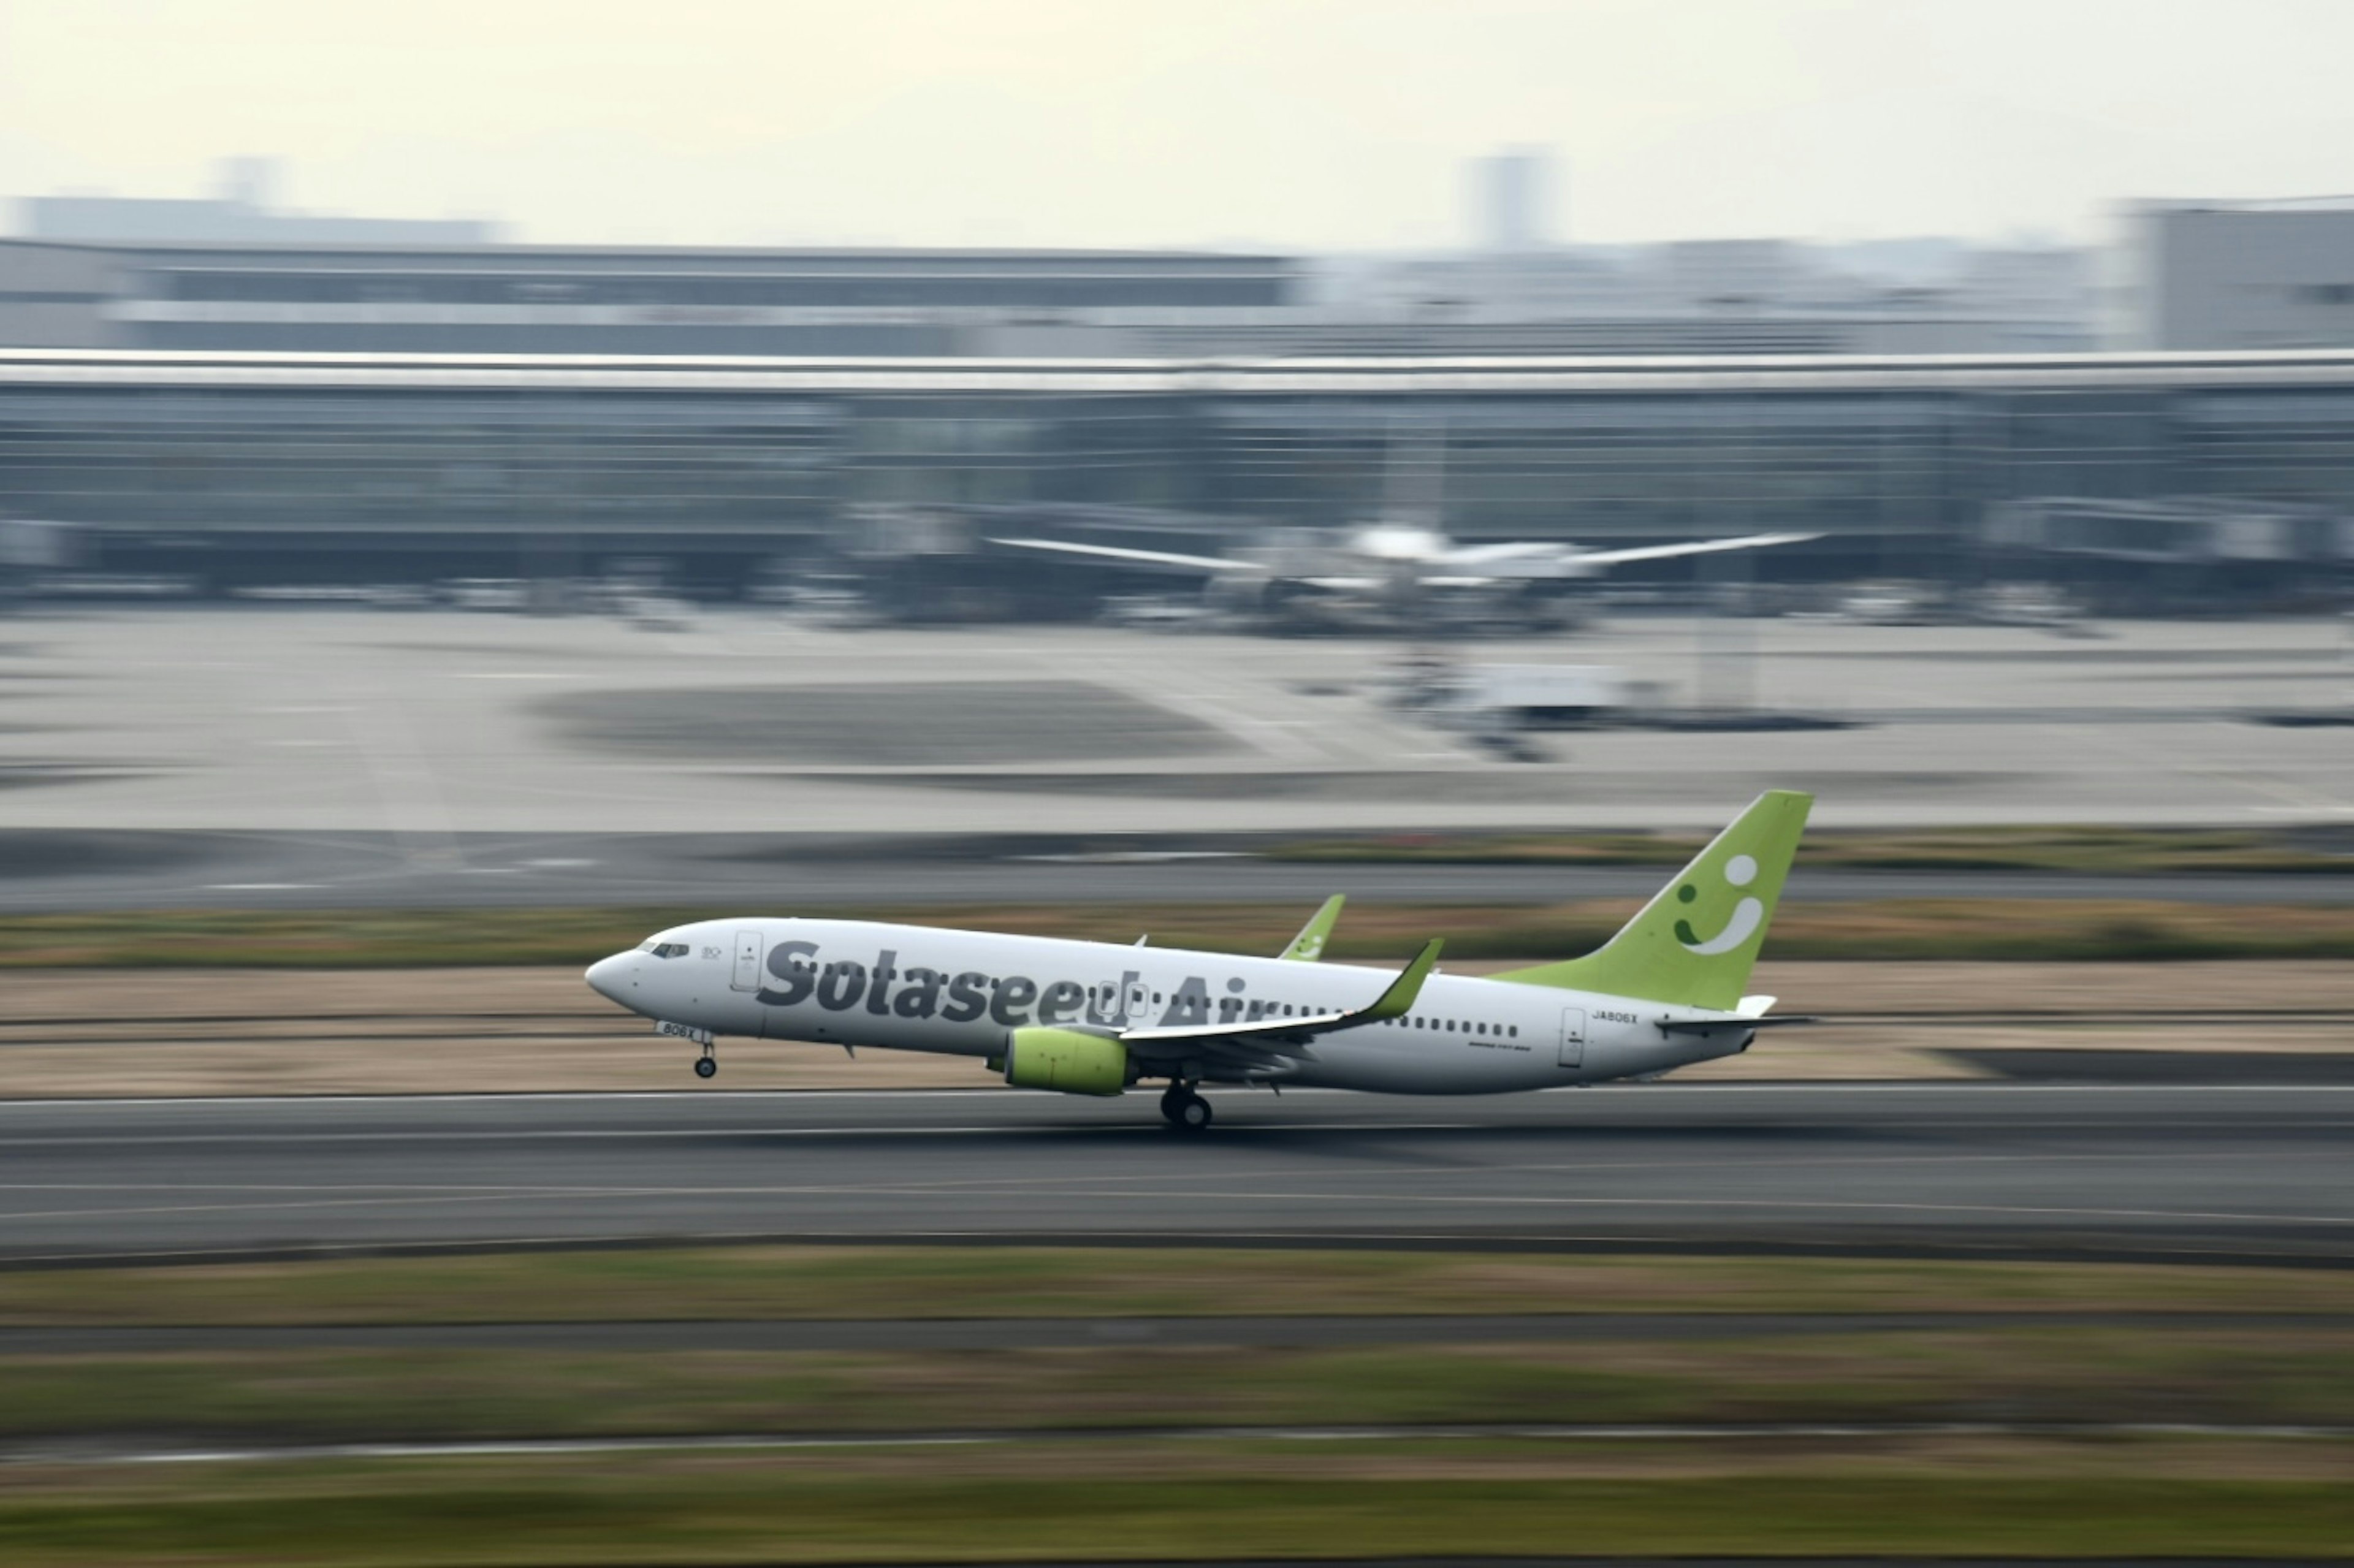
{"x": 233, "y": 394}
{"x": 276, "y": 296}
{"x": 1710, "y": 298}
{"x": 234, "y": 468}
{"x": 232, "y": 272}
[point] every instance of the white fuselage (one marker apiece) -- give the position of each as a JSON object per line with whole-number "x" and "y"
{"x": 917, "y": 987}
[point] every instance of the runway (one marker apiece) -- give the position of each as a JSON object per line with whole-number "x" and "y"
{"x": 2181, "y": 1173}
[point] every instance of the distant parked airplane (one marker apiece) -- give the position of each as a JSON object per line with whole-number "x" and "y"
{"x": 1396, "y": 568}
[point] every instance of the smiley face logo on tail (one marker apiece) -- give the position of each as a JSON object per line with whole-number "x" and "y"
{"x": 1747, "y": 915}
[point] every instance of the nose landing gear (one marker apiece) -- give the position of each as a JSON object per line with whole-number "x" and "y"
{"x": 1185, "y": 1110}
{"x": 706, "y": 1064}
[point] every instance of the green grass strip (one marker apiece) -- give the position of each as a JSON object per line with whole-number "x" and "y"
{"x": 1115, "y": 1502}
{"x": 2282, "y": 1375}
{"x": 848, "y": 1282}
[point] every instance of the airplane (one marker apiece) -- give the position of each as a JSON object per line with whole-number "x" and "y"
{"x": 1400, "y": 568}
{"x": 1096, "y": 1018}
{"x": 1388, "y": 571}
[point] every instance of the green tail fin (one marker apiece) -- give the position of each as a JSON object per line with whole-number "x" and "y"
{"x": 1695, "y": 942}
{"x": 1308, "y": 945}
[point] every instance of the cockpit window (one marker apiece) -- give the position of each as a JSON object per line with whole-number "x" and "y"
{"x": 669, "y": 949}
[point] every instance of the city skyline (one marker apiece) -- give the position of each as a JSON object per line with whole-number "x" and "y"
{"x": 1300, "y": 125}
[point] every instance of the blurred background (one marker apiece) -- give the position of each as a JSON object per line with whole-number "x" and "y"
{"x": 478, "y": 485}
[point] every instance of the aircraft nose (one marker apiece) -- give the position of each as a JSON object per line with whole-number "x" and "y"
{"x": 610, "y": 978}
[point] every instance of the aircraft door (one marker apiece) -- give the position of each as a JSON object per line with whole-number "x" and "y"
{"x": 1573, "y": 1037}
{"x": 747, "y": 962}
{"x": 1140, "y": 1003}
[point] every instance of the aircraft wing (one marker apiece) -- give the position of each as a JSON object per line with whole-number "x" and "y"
{"x": 1308, "y": 945}
{"x": 1485, "y": 555}
{"x": 1289, "y": 1037}
{"x": 1686, "y": 548}
{"x": 1138, "y": 557}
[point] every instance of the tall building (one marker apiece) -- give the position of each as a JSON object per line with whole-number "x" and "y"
{"x": 1511, "y": 200}
{"x": 2240, "y": 275}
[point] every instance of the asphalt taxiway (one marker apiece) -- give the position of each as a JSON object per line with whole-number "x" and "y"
{"x": 2211, "y": 1171}
{"x": 432, "y": 727}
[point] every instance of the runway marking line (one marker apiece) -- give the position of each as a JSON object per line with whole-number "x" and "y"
{"x": 1495, "y": 1241}
{"x": 444, "y": 1197}
{"x": 113, "y": 1137}
{"x": 1629, "y": 1166}
{"x": 1527, "y": 1431}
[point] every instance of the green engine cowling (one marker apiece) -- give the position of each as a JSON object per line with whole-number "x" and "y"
{"x": 1066, "y": 1061}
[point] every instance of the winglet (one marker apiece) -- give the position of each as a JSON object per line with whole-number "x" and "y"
{"x": 1398, "y": 1000}
{"x": 1308, "y": 945}
{"x": 1254, "y": 1033}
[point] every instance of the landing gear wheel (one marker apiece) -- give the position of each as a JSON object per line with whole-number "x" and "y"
{"x": 1186, "y": 1112}
{"x": 705, "y": 1066}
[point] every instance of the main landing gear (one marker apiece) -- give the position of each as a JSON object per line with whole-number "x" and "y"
{"x": 1185, "y": 1110}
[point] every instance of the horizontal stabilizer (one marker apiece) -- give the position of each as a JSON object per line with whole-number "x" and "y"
{"x": 1728, "y": 1025}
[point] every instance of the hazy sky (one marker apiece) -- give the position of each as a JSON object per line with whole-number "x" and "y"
{"x": 1307, "y": 124}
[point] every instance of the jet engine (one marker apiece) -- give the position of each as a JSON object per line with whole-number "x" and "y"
{"x": 1066, "y": 1061}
